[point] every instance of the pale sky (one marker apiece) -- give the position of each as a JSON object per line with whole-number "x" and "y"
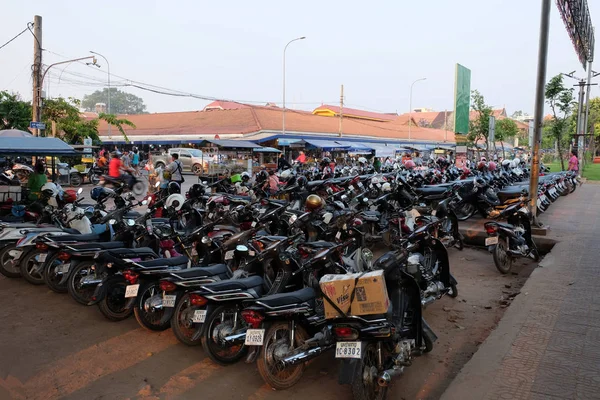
{"x": 233, "y": 50}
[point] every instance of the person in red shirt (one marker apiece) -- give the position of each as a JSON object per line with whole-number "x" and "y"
{"x": 114, "y": 166}
{"x": 301, "y": 158}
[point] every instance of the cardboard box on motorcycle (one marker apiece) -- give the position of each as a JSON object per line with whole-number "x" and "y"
{"x": 370, "y": 294}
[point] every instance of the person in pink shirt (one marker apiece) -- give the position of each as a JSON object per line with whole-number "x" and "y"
{"x": 573, "y": 162}
{"x": 301, "y": 158}
{"x": 272, "y": 184}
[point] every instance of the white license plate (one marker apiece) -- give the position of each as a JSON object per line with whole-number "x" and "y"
{"x": 379, "y": 185}
{"x": 458, "y": 196}
{"x": 347, "y": 350}
{"x": 255, "y": 337}
{"x": 210, "y": 215}
{"x": 131, "y": 291}
{"x": 169, "y": 300}
{"x": 225, "y": 208}
{"x": 251, "y": 253}
{"x": 262, "y": 210}
{"x": 229, "y": 255}
{"x": 491, "y": 240}
{"x": 253, "y": 224}
{"x": 199, "y": 316}
{"x": 360, "y": 185}
{"x": 524, "y": 210}
{"x": 42, "y": 257}
{"x": 539, "y": 202}
{"x": 338, "y": 235}
{"x": 63, "y": 268}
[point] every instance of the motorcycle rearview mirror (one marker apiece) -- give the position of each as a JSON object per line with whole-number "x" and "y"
{"x": 157, "y": 184}
{"x": 79, "y": 191}
{"x": 149, "y": 199}
{"x": 130, "y": 222}
{"x": 112, "y": 221}
{"x": 144, "y": 202}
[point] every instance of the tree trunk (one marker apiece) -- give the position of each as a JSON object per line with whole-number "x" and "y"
{"x": 503, "y": 154}
{"x": 560, "y": 155}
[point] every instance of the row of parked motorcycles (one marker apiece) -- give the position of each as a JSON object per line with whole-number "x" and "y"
{"x": 240, "y": 275}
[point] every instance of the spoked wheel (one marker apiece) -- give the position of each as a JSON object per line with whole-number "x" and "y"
{"x": 82, "y": 282}
{"x": 31, "y": 267}
{"x": 94, "y": 178}
{"x": 9, "y": 261}
{"x": 148, "y": 309}
{"x": 197, "y": 169}
{"x": 219, "y": 324}
{"x": 138, "y": 188}
{"x": 364, "y": 383}
{"x": 464, "y": 211}
{"x": 276, "y": 345}
{"x": 76, "y": 179}
{"x": 56, "y": 274}
{"x": 113, "y": 305}
{"x": 502, "y": 259}
{"x": 182, "y": 322}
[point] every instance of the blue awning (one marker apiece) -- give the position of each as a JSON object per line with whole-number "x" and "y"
{"x": 266, "y": 150}
{"x": 327, "y": 145}
{"x": 382, "y": 150}
{"x": 355, "y": 147}
{"x": 287, "y": 142}
{"x": 23, "y": 143}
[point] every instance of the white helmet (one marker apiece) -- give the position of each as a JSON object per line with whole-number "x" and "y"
{"x": 514, "y": 163}
{"x": 362, "y": 160}
{"x": 286, "y": 174}
{"x": 245, "y": 174}
{"x": 518, "y": 161}
{"x": 175, "y": 200}
{"x": 386, "y": 187}
{"x": 506, "y": 163}
{"x": 375, "y": 180}
{"x": 50, "y": 187}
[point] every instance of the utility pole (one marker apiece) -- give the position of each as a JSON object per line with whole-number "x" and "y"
{"x": 37, "y": 71}
{"x": 445, "y": 125}
{"x": 341, "y": 108}
{"x": 539, "y": 107}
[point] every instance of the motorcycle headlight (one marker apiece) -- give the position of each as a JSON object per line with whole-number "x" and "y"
{"x": 367, "y": 255}
{"x": 205, "y": 240}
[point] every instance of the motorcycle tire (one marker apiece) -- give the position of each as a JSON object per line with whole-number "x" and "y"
{"x": 502, "y": 259}
{"x": 112, "y": 306}
{"x": 209, "y": 343}
{"x": 144, "y": 315}
{"x": 181, "y": 322}
{"x": 271, "y": 374}
{"x": 138, "y": 188}
{"x": 51, "y": 277}
{"x": 197, "y": 169}
{"x": 428, "y": 343}
{"x": 94, "y": 179}
{"x": 465, "y": 211}
{"x": 79, "y": 294}
{"x": 31, "y": 269}
{"x": 76, "y": 179}
{"x": 453, "y": 291}
{"x": 9, "y": 267}
{"x": 363, "y": 388}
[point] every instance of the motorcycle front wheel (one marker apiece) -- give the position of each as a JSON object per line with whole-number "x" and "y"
{"x": 221, "y": 323}
{"x": 31, "y": 268}
{"x": 502, "y": 259}
{"x": 80, "y": 290}
{"x": 9, "y": 265}
{"x": 364, "y": 382}
{"x": 464, "y": 211}
{"x": 76, "y": 179}
{"x": 277, "y": 343}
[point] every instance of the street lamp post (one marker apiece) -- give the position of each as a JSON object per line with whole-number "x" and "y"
{"x": 410, "y": 105}
{"x": 284, "y": 49}
{"x": 108, "y": 67}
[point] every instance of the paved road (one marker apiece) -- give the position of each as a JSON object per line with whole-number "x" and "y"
{"x": 547, "y": 346}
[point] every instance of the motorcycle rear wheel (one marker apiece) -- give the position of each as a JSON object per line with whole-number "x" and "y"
{"x": 31, "y": 269}
{"x": 51, "y": 276}
{"x": 464, "y": 211}
{"x": 502, "y": 259}
{"x": 364, "y": 382}
{"x": 113, "y": 304}
{"x": 144, "y": 315}
{"x": 221, "y": 354}
{"x": 277, "y": 336}
{"x": 80, "y": 294}
{"x": 9, "y": 267}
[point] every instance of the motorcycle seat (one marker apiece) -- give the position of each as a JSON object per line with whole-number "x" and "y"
{"x": 511, "y": 192}
{"x": 319, "y": 244}
{"x": 371, "y": 215}
{"x": 279, "y": 202}
{"x": 198, "y": 272}
{"x": 90, "y": 237}
{"x": 125, "y": 252}
{"x": 97, "y": 246}
{"x": 164, "y": 262}
{"x": 253, "y": 282}
{"x": 284, "y": 299}
{"x": 431, "y": 190}
{"x": 313, "y": 184}
{"x": 48, "y": 229}
{"x": 132, "y": 214}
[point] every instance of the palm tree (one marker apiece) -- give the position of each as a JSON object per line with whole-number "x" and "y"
{"x": 117, "y": 122}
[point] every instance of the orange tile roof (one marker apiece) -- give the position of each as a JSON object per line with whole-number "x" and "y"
{"x": 256, "y": 119}
{"x": 353, "y": 112}
{"x": 225, "y": 105}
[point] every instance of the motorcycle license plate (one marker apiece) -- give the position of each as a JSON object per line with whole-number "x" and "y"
{"x": 64, "y": 268}
{"x": 131, "y": 291}
{"x": 458, "y": 196}
{"x": 524, "y": 210}
{"x": 199, "y": 316}
{"x": 225, "y": 208}
{"x": 379, "y": 186}
{"x": 42, "y": 257}
{"x": 360, "y": 185}
{"x": 539, "y": 202}
{"x": 544, "y": 198}
{"x": 262, "y": 210}
{"x": 492, "y": 240}
{"x": 255, "y": 337}
{"x": 347, "y": 350}
{"x": 169, "y": 300}
{"x": 229, "y": 255}
{"x": 210, "y": 215}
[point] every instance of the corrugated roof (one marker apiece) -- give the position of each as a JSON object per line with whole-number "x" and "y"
{"x": 353, "y": 112}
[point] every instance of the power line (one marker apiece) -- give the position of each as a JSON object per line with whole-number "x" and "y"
{"x": 19, "y": 34}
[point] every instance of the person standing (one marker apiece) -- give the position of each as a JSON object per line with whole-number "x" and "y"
{"x": 135, "y": 161}
{"x": 377, "y": 164}
{"x": 574, "y": 162}
{"x": 175, "y": 169}
{"x": 37, "y": 180}
{"x": 418, "y": 160}
{"x": 301, "y": 158}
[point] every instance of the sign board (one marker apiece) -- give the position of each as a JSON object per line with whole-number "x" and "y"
{"x": 87, "y": 142}
{"x": 492, "y": 130}
{"x": 37, "y": 125}
{"x": 576, "y": 16}
{"x": 439, "y": 151}
{"x": 462, "y": 99}
{"x": 530, "y": 133}
{"x": 461, "y": 149}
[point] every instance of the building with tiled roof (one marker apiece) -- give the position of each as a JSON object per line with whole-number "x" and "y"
{"x": 334, "y": 111}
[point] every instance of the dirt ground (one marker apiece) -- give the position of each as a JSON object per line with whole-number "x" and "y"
{"x": 53, "y": 348}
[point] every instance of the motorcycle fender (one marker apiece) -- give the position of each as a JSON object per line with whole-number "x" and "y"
{"x": 427, "y": 331}
{"x": 453, "y": 280}
{"x": 130, "y": 303}
{"x": 491, "y": 248}
{"x": 169, "y": 311}
{"x": 348, "y": 368}
{"x": 102, "y": 287}
{"x": 200, "y": 327}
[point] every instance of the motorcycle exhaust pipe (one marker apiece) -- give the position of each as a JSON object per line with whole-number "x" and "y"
{"x": 303, "y": 356}
{"x": 427, "y": 301}
{"x": 386, "y": 376}
{"x": 91, "y": 281}
{"x": 232, "y": 340}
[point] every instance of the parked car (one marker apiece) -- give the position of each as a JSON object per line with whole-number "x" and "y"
{"x": 191, "y": 159}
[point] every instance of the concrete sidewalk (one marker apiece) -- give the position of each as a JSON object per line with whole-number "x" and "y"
{"x": 547, "y": 345}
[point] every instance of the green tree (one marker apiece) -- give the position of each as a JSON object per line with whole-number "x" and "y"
{"x": 118, "y": 123}
{"x": 506, "y": 128}
{"x": 479, "y": 128}
{"x": 14, "y": 112}
{"x": 70, "y": 126}
{"x": 561, "y": 104}
{"x": 120, "y": 102}
{"x": 594, "y": 124}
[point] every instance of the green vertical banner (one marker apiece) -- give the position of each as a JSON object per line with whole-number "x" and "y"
{"x": 462, "y": 99}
